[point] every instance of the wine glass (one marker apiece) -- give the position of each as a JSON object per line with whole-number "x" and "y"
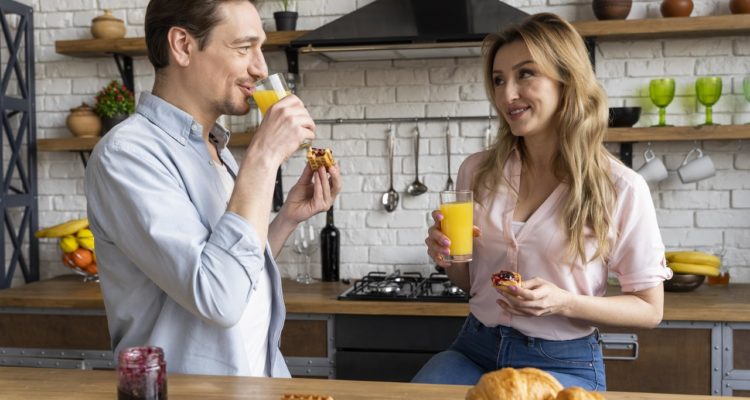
{"x": 708, "y": 89}
{"x": 661, "y": 92}
{"x": 306, "y": 240}
{"x": 746, "y": 89}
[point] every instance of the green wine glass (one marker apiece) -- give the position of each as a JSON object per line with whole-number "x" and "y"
{"x": 708, "y": 90}
{"x": 661, "y": 92}
{"x": 746, "y": 89}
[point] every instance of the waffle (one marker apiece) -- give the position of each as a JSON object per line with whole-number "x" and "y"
{"x": 296, "y": 396}
{"x": 506, "y": 278}
{"x": 319, "y": 158}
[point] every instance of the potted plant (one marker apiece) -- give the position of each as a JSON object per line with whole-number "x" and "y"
{"x": 113, "y": 104}
{"x": 285, "y": 20}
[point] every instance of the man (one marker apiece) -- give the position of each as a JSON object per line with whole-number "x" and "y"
{"x": 185, "y": 253}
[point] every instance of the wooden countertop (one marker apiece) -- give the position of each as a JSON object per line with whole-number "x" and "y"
{"x": 42, "y": 383}
{"x": 707, "y": 303}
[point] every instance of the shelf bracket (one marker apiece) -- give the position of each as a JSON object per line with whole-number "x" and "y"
{"x": 125, "y": 66}
{"x": 626, "y": 153}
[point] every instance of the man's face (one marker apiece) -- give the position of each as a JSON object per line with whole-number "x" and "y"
{"x": 225, "y": 72}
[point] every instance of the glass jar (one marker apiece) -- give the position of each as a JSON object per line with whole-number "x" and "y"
{"x": 142, "y": 374}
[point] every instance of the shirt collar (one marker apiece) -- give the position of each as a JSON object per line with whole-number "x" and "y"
{"x": 176, "y": 123}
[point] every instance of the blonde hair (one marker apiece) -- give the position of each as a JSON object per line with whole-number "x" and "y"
{"x": 582, "y": 162}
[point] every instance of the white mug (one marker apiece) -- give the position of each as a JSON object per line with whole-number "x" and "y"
{"x": 700, "y": 168}
{"x": 653, "y": 170}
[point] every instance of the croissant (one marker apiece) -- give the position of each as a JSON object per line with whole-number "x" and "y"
{"x": 577, "y": 393}
{"x": 515, "y": 384}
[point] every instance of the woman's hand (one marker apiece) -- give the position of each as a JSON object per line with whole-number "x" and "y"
{"x": 536, "y": 297}
{"x": 314, "y": 192}
{"x": 438, "y": 245}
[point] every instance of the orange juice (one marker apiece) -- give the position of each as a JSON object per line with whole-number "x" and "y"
{"x": 457, "y": 224}
{"x": 266, "y": 98}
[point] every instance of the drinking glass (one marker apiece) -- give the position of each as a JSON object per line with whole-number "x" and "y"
{"x": 661, "y": 92}
{"x": 708, "y": 90}
{"x": 746, "y": 89}
{"x": 457, "y": 208}
{"x": 306, "y": 240}
{"x": 270, "y": 90}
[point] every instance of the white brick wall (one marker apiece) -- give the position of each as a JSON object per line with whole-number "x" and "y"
{"x": 704, "y": 215}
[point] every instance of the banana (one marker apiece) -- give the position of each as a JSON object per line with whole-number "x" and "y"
{"x": 693, "y": 257}
{"x": 683, "y": 268}
{"x": 64, "y": 229}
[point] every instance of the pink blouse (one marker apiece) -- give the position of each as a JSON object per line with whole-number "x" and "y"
{"x": 637, "y": 256}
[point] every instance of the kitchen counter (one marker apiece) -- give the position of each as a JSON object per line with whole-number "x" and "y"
{"x": 707, "y": 303}
{"x": 32, "y": 383}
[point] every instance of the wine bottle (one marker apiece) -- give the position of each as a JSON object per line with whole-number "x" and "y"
{"x": 329, "y": 249}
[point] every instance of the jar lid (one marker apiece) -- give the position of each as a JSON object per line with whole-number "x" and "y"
{"x": 82, "y": 107}
{"x": 107, "y": 16}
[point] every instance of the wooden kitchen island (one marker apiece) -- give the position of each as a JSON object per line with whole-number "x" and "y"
{"x": 31, "y": 384}
{"x": 701, "y": 347}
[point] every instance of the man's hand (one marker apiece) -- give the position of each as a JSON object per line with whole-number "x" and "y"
{"x": 313, "y": 193}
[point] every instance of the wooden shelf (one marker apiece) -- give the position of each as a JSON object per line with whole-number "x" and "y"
{"x": 136, "y": 46}
{"x": 654, "y": 28}
{"x": 615, "y": 135}
{"x": 678, "y": 133}
{"x": 88, "y": 143}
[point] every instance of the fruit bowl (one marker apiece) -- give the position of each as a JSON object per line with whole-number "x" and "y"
{"x": 683, "y": 282}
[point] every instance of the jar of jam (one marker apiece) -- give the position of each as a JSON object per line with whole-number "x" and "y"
{"x": 142, "y": 374}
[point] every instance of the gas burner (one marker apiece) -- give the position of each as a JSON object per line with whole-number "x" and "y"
{"x": 409, "y": 286}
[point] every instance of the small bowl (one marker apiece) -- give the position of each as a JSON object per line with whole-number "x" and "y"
{"x": 683, "y": 282}
{"x": 623, "y": 117}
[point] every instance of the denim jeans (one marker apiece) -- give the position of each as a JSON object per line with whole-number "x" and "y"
{"x": 479, "y": 349}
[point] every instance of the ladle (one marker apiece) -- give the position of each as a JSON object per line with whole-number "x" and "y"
{"x": 416, "y": 188}
{"x": 449, "y": 182}
{"x": 390, "y": 198}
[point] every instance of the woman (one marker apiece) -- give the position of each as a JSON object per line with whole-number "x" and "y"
{"x": 553, "y": 205}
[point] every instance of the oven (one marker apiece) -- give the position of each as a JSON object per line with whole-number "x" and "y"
{"x": 394, "y": 348}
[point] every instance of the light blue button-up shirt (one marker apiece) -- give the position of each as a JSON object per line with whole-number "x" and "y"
{"x": 177, "y": 269}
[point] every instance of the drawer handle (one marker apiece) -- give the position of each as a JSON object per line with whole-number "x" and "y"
{"x": 620, "y": 341}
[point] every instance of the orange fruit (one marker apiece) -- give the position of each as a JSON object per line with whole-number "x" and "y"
{"x": 68, "y": 261}
{"x": 91, "y": 268}
{"x": 82, "y": 257}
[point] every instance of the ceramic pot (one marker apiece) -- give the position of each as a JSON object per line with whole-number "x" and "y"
{"x": 83, "y": 121}
{"x": 739, "y": 6}
{"x": 109, "y": 122}
{"x": 677, "y": 8}
{"x": 285, "y": 20}
{"x": 107, "y": 26}
{"x": 611, "y": 9}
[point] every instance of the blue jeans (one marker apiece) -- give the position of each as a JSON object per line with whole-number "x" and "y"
{"x": 479, "y": 349}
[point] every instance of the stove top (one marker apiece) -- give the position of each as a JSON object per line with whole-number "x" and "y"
{"x": 409, "y": 286}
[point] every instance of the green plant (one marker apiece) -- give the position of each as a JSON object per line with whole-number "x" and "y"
{"x": 285, "y": 4}
{"x": 114, "y": 99}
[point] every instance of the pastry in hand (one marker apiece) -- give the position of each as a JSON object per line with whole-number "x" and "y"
{"x": 506, "y": 278}
{"x": 319, "y": 158}
{"x": 578, "y": 393}
{"x": 515, "y": 384}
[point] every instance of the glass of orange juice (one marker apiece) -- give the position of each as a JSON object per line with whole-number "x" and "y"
{"x": 270, "y": 90}
{"x": 457, "y": 208}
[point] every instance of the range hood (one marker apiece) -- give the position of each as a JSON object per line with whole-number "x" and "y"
{"x": 401, "y": 29}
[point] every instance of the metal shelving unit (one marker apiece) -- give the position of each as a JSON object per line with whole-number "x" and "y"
{"x": 18, "y": 197}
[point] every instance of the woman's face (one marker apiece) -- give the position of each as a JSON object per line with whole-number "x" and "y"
{"x": 527, "y": 99}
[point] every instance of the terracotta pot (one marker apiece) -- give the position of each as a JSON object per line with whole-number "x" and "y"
{"x": 611, "y": 9}
{"x": 739, "y": 6}
{"x": 83, "y": 121}
{"x": 107, "y": 26}
{"x": 676, "y": 8}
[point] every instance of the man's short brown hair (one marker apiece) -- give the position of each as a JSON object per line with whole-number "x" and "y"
{"x": 198, "y": 17}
